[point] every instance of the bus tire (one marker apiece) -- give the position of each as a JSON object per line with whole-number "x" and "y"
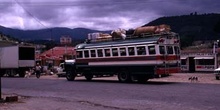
{"x": 88, "y": 77}
{"x": 70, "y": 75}
{"x": 124, "y": 76}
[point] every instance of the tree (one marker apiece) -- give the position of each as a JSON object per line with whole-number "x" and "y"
{"x": 217, "y": 27}
{"x": 186, "y": 40}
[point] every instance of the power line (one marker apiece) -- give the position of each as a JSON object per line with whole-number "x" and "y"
{"x": 30, "y": 14}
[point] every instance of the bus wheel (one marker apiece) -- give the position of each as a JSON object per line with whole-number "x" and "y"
{"x": 70, "y": 75}
{"x": 88, "y": 77}
{"x": 124, "y": 76}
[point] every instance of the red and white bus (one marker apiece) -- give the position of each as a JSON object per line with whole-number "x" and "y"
{"x": 131, "y": 59}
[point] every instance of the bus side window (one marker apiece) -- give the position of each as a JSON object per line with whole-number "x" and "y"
{"x": 151, "y": 50}
{"x": 100, "y": 53}
{"x": 92, "y": 52}
{"x": 123, "y": 51}
{"x": 114, "y": 51}
{"x": 107, "y": 52}
{"x": 162, "y": 50}
{"x": 177, "y": 50}
{"x": 86, "y": 53}
{"x": 79, "y": 54}
{"x": 141, "y": 50}
{"x": 131, "y": 51}
{"x": 169, "y": 49}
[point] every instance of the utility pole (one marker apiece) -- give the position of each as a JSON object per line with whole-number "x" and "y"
{"x": 0, "y": 87}
{"x": 215, "y": 51}
{"x": 1, "y": 84}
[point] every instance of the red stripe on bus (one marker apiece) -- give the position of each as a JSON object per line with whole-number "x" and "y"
{"x": 130, "y": 58}
{"x": 167, "y": 70}
{"x": 168, "y": 58}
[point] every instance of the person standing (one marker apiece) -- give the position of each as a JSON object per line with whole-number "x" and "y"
{"x": 38, "y": 70}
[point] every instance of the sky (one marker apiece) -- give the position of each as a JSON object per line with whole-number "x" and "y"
{"x": 96, "y": 14}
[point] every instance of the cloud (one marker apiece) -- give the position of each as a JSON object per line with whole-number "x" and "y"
{"x": 96, "y": 14}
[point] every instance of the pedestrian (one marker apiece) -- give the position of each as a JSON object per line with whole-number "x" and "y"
{"x": 38, "y": 70}
{"x": 28, "y": 73}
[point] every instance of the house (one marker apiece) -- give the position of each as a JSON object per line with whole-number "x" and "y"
{"x": 55, "y": 56}
{"x": 200, "y": 60}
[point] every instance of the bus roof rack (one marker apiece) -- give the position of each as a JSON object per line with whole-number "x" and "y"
{"x": 142, "y": 35}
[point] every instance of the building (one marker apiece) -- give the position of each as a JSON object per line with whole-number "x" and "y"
{"x": 55, "y": 55}
{"x": 199, "y": 60}
{"x": 65, "y": 40}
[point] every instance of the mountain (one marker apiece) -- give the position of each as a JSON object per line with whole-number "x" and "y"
{"x": 48, "y": 34}
{"x": 193, "y": 27}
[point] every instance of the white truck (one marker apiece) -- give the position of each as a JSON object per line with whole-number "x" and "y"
{"x": 61, "y": 68}
{"x": 16, "y": 59}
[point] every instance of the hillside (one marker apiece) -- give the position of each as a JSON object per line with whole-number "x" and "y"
{"x": 191, "y": 28}
{"x": 47, "y": 34}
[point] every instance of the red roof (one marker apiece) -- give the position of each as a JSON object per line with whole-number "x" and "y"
{"x": 57, "y": 53}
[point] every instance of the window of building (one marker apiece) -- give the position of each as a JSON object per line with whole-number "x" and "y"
{"x": 151, "y": 50}
{"x": 206, "y": 61}
{"x": 183, "y": 61}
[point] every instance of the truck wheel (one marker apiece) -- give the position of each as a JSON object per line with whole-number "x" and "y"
{"x": 11, "y": 73}
{"x": 217, "y": 77}
{"x": 88, "y": 77}
{"x": 21, "y": 74}
{"x": 142, "y": 79}
{"x": 124, "y": 76}
{"x": 2, "y": 74}
{"x": 70, "y": 75}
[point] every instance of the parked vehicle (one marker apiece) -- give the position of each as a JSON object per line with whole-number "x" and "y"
{"x": 16, "y": 59}
{"x": 132, "y": 58}
{"x": 217, "y": 73}
{"x": 61, "y": 72}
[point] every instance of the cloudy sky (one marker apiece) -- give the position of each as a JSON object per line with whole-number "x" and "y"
{"x": 96, "y": 14}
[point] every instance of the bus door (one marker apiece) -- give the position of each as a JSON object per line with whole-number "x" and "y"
{"x": 163, "y": 52}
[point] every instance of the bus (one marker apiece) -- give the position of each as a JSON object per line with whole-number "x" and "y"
{"x": 131, "y": 59}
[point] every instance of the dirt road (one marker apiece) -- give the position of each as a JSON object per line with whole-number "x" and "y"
{"x": 184, "y": 77}
{"x": 178, "y": 77}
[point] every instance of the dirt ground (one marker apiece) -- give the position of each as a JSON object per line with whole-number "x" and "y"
{"x": 184, "y": 77}
{"x": 206, "y": 78}
{"x": 178, "y": 77}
